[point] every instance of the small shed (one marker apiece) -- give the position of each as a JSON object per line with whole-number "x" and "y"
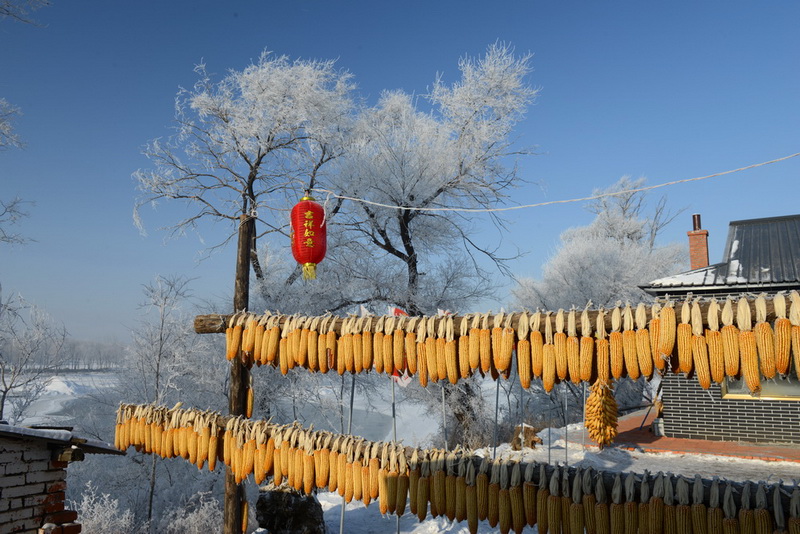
{"x": 33, "y": 477}
{"x": 760, "y": 256}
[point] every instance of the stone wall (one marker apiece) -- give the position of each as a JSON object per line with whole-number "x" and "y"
{"x": 32, "y": 489}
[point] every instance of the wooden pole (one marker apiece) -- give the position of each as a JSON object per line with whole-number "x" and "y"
{"x": 240, "y": 375}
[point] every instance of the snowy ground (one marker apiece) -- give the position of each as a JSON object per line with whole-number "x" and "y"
{"x": 49, "y": 408}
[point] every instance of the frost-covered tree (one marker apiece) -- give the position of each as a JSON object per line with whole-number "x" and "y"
{"x": 607, "y": 260}
{"x": 454, "y": 154}
{"x": 30, "y": 352}
{"x": 242, "y": 141}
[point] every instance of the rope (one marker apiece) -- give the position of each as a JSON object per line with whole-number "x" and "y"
{"x": 551, "y": 202}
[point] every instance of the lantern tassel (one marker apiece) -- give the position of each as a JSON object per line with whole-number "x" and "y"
{"x": 309, "y": 271}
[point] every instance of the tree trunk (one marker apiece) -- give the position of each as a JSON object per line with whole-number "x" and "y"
{"x": 240, "y": 375}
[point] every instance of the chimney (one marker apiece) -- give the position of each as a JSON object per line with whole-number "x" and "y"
{"x": 698, "y": 244}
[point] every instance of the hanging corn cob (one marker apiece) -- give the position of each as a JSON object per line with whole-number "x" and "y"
{"x": 589, "y": 501}
{"x": 601, "y": 511}
{"x": 602, "y": 360}
{"x": 482, "y": 489}
{"x": 577, "y": 517}
{"x": 451, "y": 351}
{"x": 716, "y": 350}
{"x": 616, "y": 509}
{"x": 629, "y": 350}
{"x": 777, "y": 510}
{"x": 504, "y": 502}
{"x": 537, "y": 346}
{"x": 699, "y": 348}
{"x": 667, "y": 334}
{"x": 748, "y": 354}
{"x": 548, "y": 356}
{"x": 794, "y": 318}
{"x": 554, "y": 503}
{"x": 794, "y": 512}
{"x": 615, "y": 343}
{"x": 730, "y": 340}
{"x": 471, "y": 498}
{"x": 410, "y": 345}
{"x": 630, "y": 510}
{"x": 542, "y": 497}
{"x": 566, "y": 501}
{"x": 464, "y": 368}
{"x": 573, "y": 348}
{"x": 783, "y": 335}
{"x": 656, "y": 511}
{"x": 761, "y": 516}
{"x": 560, "y": 347}
{"x": 670, "y": 520}
{"x": 529, "y": 490}
{"x": 388, "y": 345}
{"x": 765, "y": 340}
{"x": 432, "y": 350}
{"x": 698, "y": 512}
{"x": 523, "y": 350}
{"x": 516, "y": 499}
{"x": 485, "y": 345}
{"x": 422, "y": 355}
{"x": 367, "y": 344}
{"x": 684, "y": 338}
{"x": 746, "y": 518}
{"x": 714, "y": 511}
{"x": 683, "y": 511}
{"x": 643, "y": 352}
{"x": 587, "y": 347}
{"x": 644, "y": 503}
{"x": 601, "y": 414}
{"x": 461, "y": 489}
{"x": 730, "y": 524}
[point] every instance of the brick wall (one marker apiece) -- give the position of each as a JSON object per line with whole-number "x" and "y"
{"x": 694, "y": 413}
{"x": 32, "y": 489}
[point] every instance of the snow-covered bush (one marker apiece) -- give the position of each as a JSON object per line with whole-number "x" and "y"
{"x": 195, "y": 517}
{"x": 100, "y": 514}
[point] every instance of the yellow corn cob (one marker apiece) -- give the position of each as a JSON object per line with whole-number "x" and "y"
{"x": 422, "y": 365}
{"x": 258, "y": 342}
{"x": 700, "y": 349}
{"x": 452, "y": 371}
{"x": 783, "y": 335}
{"x": 485, "y": 345}
{"x": 245, "y": 515}
{"x": 549, "y": 367}
{"x": 566, "y": 503}
{"x": 309, "y": 475}
{"x": 542, "y": 498}
{"x": 655, "y": 337}
{"x": 398, "y": 349}
{"x": 236, "y": 338}
{"x": 684, "y": 338}
{"x": 765, "y": 340}
{"x": 413, "y": 481}
{"x": 411, "y": 351}
{"x": 366, "y": 498}
{"x": 794, "y": 319}
{"x": 524, "y": 361}
{"x": 403, "y": 483}
{"x": 358, "y": 346}
{"x": 313, "y": 344}
{"x": 301, "y": 356}
{"x": 667, "y": 333}
{"x": 602, "y": 356}
{"x": 629, "y": 344}
{"x": 589, "y": 503}
{"x": 474, "y": 342}
{"x": 748, "y": 353}
{"x": 587, "y": 357}
{"x": 642, "y": 342}
{"x": 537, "y": 345}
{"x": 273, "y": 341}
{"x": 377, "y": 345}
{"x": 439, "y": 494}
{"x": 367, "y": 344}
{"x": 615, "y": 347}
{"x": 617, "y": 518}
{"x": 388, "y": 345}
{"x": 716, "y": 351}
{"x": 463, "y": 348}
{"x": 730, "y": 340}
{"x": 573, "y": 349}
{"x": 560, "y": 345}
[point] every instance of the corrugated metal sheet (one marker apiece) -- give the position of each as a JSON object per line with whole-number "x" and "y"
{"x": 760, "y": 254}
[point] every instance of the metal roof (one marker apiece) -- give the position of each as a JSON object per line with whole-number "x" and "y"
{"x": 760, "y": 255}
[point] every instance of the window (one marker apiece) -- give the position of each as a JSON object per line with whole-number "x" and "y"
{"x": 774, "y": 389}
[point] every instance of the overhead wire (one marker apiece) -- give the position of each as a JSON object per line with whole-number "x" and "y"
{"x": 331, "y": 194}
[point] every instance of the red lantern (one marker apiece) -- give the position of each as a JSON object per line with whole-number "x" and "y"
{"x": 308, "y": 235}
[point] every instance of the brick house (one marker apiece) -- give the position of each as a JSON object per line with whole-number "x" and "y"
{"x": 33, "y": 478}
{"x": 761, "y": 256}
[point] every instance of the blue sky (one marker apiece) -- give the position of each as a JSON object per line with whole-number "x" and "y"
{"x": 663, "y": 90}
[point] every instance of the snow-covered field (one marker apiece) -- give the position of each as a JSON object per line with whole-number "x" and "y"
{"x": 415, "y": 428}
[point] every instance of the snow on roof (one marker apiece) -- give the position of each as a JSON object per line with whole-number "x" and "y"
{"x": 58, "y": 436}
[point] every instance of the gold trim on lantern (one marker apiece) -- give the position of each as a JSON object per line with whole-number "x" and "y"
{"x": 309, "y": 271}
